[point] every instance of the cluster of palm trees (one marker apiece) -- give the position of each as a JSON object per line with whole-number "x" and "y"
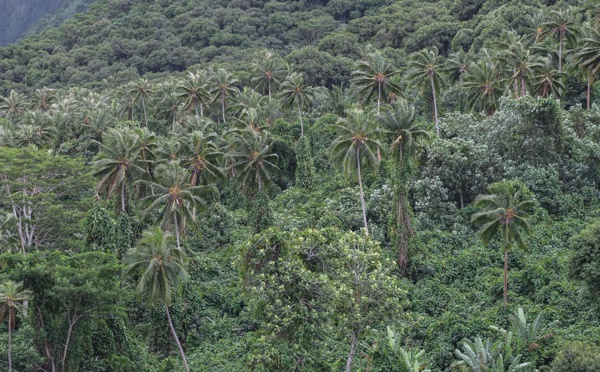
{"x": 515, "y": 65}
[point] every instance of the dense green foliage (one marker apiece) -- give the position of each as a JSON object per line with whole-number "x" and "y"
{"x": 306, "y": 186}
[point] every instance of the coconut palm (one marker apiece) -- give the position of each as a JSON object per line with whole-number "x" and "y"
{"x": 224, "y": 85}
{"x": 252, "y": 161}
{"x": 356, "y": 148}
{"x": 14, "y": 104}
{"x": 563, "y": 25}
{"x": 141, "y": 91}
{"x": 43, "y": 99}
{"x": 588, "y": 59}
{"x": 505, "y": 212}
{"x": 406, "y": 137}
{"x": 12, "y": 298}
{"x": 457, "y": 65}
{"x": 268, "y": 70}
{"x": 163, "y": 272}
{"x": 295, "y": 92}
{"x": 192, "y": 90}
{"x": 174, "y": 198}
{"x": 482, "y": 87}
{"x": 548, "y": 80}
{"x": 36, "y": 130}
{"x": 425, "y": 70}
{"x": 202, "y": 156}
{"x": 118, "y": 162}
{"x": 373, "y": 77}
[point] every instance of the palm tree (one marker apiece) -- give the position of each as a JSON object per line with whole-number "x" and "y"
{"x": 119, "y": 161}
{"x": 563, "y": 25}
{"x": 252, "y": 161}
{"x": 12, "y": 297}
{"x": 12, "y": 105}
{"x": 43, "y": 99}
{"x": 506, "y": 212}
{"x": 224, "y": 85}
{"x": 355, "y": 148}
{"x": 268, "y": 69}
{"x": 518, "y": 56}
{"x": 373, "y": 77}
{"x": 293, "y": 90}
{"x": 482, "y": 87}
{"x": 141, "y": 91}
{"x": 192, "y": 90}
{"x": 175, "y": 198}
{"x": 457, "y": 65}
{"x": 37, "y": 130}
{"x": 588, "y": 59}
{"x": 425, "y": 69}
{"x": 163, "y": 272}
{"x": 406, "y": 137}
{"x": 549, "y": 80}
{"x": 202, "y": 156}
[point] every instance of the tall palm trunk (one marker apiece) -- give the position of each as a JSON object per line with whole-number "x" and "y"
{"x": 505, "y": 297}
{"x": 362, "y": 196}
{"x": 435, "y": 112}
{"x": 589, "y": 90}
{"x": 560, "y": 38}
{"x": 10, "y": 320}
{"x": 300, "y": 114}
{"x": 177, "y": 231}
{"x": 145, "y": 115}
{"x": 122, "y": 196}
{"x": 269, "y": 83}
{"x": 378, "y": 97}
{"x": 223, "y": 104}
{"x": 185, "y": 363}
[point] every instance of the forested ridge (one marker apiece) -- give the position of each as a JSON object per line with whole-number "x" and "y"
{"x": 199, "y": 185}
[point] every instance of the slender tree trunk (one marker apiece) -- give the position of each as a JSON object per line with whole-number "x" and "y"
{"x": 201, "y": 110}
{"x": 177, "y": 231}
{"x": 269, "y": 83}
{"x": 72, "y": 322}
{"x": 196, "y": 107}
{"x": 505, "y": 276}
{"x": 523, "y": 86}
{"x": 300, "y": 114}
{"x": 185, "y": 363}
{"x": 589, "y": 91}
{"x": 362, "y": 197}
{"x": 352, "y": 351}
{"x": 435, "y": 113}
{"x": 145, "y": 115}
{"x": 122, "y": 196}
{"x": 10, "y": 316}
{"x": 378, "y": 96}
{"x": 223, "y": 105}
{"x": 560, "y": 52}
